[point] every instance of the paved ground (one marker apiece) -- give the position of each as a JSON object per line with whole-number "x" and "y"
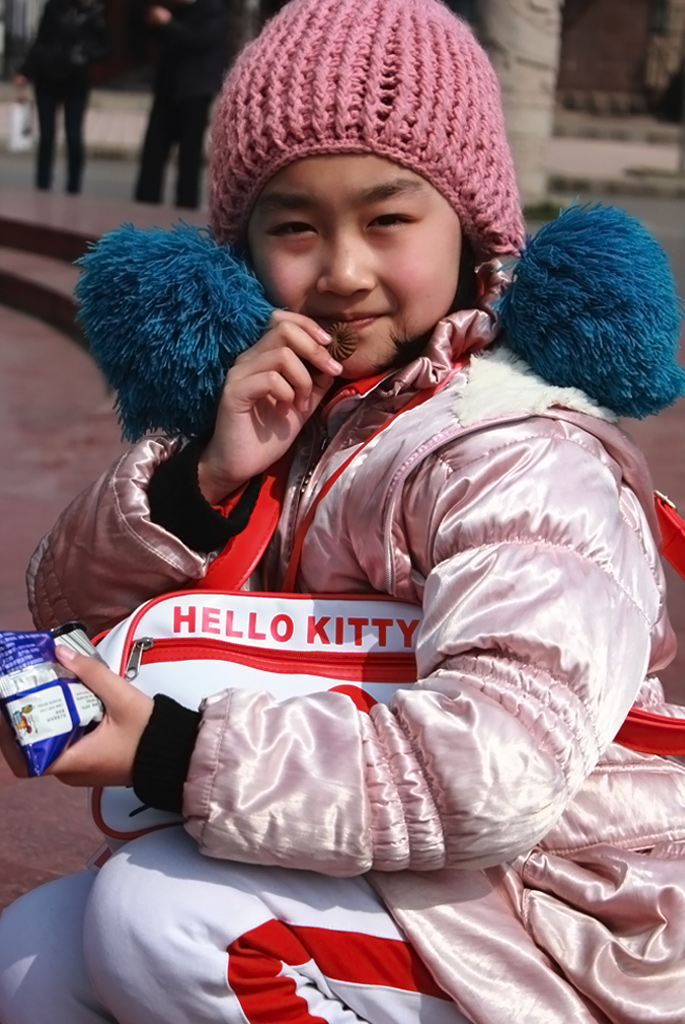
{"x": 59, "y": 431}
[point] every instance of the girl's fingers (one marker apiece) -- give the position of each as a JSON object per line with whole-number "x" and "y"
{"x": 97, "y": 676}
{"x": 121, "y": 698}
{"x": 288, "y": 335}
{"x": 267, "y": 385}
{"x": 103, "y": 757}
{"x": 315, "y": 331}
{"x": 280, "y": 363}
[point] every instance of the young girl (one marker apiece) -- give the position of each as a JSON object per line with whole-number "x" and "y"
{"x": 478, "y": 849}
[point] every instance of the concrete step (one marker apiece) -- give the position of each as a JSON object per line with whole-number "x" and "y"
{"x": 43, "y": 233}
{"x": 40, "y": 286}
{"x": 62, "y": 226}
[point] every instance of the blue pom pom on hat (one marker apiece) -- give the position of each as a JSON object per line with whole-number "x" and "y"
{"x": 593, "y": 305}
{"x": 165, "y": 313}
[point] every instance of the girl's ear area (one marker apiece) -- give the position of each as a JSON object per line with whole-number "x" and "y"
{"x": 467, "y": 296}
{"x": 165, "y": 313}
{"x": 593, "y": 305}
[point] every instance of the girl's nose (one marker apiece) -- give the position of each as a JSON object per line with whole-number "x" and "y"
{"x": 346, "y": 269}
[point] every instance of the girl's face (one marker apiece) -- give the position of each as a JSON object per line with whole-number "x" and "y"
{"x": 358, "y": 241}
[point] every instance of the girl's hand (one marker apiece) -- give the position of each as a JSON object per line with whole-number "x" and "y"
{"x": 103, "y": 757}
{"x": 270, "y": 392}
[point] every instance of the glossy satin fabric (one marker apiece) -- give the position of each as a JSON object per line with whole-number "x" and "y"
{"x": 538, "y": 868}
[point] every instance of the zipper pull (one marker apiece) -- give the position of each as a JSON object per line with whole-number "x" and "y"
{"x": 135, "y": 657}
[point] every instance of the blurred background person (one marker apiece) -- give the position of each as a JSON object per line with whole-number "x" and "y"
{"x": 71, "y": 37}
{"x": 193, "y": 54}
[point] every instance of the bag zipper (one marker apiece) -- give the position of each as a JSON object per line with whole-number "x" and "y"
{"x": 135, "y": 657}
{"x": 395, "y": 667}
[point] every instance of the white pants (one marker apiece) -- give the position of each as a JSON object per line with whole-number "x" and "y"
{"x": 163, "y": 935}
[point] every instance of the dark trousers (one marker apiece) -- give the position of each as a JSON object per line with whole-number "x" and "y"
{"x": 74, "y": 99}
{"x": 184, "y": 122}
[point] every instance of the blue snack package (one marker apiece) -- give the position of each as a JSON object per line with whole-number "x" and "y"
{"x": 46, "y": 707}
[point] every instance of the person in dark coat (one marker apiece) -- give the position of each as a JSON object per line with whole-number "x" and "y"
{"x": 192, "y": 59}
{"x": 72, "y": 35}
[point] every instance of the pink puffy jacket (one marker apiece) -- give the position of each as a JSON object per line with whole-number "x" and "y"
{"x": 538, "y": 868}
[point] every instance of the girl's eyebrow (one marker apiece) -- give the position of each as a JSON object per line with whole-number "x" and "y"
{"x": 391, "y": 189}
{"x": 377, "y": 193}
{"x": 284, "y": 201}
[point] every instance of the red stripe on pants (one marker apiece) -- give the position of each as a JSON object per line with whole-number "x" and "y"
{"x": 255, "y": 962}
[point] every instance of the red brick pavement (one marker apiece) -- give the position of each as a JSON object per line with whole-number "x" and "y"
{"x": 58, "y": 433}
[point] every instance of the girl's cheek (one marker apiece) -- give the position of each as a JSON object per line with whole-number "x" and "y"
{"x": 284, "y": 284}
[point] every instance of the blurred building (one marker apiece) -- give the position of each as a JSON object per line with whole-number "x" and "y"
{"x": 18, "y": 22}
{"x": 619, "y": 57}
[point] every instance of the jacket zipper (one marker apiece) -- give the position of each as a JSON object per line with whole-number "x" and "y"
{"x": 314, "y": 460}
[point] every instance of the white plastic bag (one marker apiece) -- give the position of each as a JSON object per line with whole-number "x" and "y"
{"x": 21, "y": 126}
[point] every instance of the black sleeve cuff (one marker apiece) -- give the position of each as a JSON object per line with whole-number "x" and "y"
{"x": 178, "y": 505}
{"x": 163, "y": 755}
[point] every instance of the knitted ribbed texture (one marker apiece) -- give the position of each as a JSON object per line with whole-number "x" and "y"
{"x": 403, "y": 79}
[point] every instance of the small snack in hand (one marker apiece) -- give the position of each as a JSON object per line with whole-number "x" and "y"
{"x": 46, "y": 706}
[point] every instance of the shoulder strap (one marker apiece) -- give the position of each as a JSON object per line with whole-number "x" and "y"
{"x": 642, "y": 730}
{"x": 672, "y": 528}
{"x": 234, "y": 565}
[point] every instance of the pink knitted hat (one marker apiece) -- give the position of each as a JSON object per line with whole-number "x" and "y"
{"x": 402, "y": 79}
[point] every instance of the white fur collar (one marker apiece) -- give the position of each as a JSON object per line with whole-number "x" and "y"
{"x": 501, "y": 383}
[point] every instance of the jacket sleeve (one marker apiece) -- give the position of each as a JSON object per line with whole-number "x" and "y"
{"x": 105, "y": 556}
{"x": 543, "y": 607}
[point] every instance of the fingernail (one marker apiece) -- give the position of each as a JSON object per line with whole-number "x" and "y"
{"x": 324, "y": 336}
{"x": 335, "y": 366}
{"x": 65, "y": 654}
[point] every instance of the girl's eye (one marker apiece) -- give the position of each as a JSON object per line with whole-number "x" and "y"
{"x": 290, "y": 227}
{"x": 389, "y": 220}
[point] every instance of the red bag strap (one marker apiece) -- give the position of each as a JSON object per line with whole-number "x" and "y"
{"x": 236, "y": 562}
{"x": 642, "y": 730}
{"x": 672, "y": 528}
